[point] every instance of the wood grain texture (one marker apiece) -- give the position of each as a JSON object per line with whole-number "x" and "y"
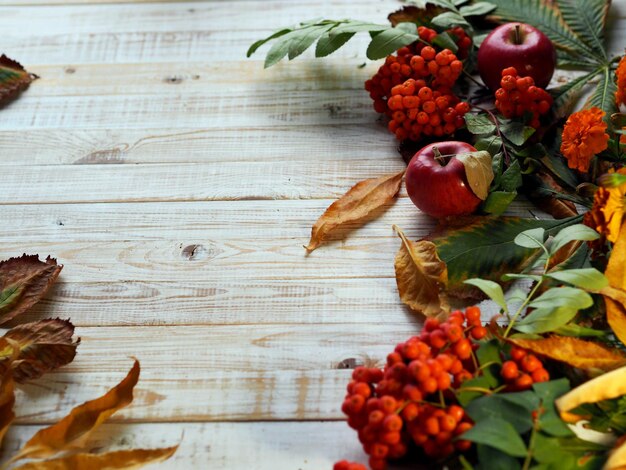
{"x": 260, "y": 446}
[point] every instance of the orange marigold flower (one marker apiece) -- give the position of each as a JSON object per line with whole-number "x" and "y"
{"x": 584, "y": 136}
{"x": 607, "y": 212}
{"x": 620, "y": 94}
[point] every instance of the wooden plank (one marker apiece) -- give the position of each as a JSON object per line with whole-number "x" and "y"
{"x": 216, "y": 373}
{"x": 261, "y": 446}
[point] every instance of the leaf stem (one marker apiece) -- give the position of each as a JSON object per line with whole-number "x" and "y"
{"x": 531, "y": 443}
{"x": 507, "y": 159}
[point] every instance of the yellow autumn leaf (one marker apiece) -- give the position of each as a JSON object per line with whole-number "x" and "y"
{"x": 604, "y": 387}
{"x": 421, "y": 276}
{"x": 134, "y": 458}
{"x": 362, "y": 199}
{"x": 615, "y": 294}
{"x": 72, "y": 431}
{"x": 616, "y": 267}
{"x": 7, "y": 400}
{"x": 573, "y": 351}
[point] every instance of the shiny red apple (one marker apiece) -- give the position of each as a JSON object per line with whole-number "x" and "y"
{"x": 516, "y": 45}
{"x": 436, "y": 180}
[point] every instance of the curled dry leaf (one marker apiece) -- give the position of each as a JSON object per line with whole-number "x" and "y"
{"x": 615, "y": 294}
{"x": 134, "y": 458}
{"x": 604, "y": 387}
{"x": 413, "y": 14}
{"x": 421, "y": 276}
{"x": 573, "y": 351}
{"x": 7, "y": 400}
{"x": 13, "y": 79}
{"x": 362, "y": 199}
{"x": 616, "y": 267}
{"x": 535, "y": 186}
{"x": 42, "y": 346}
{"x": 478, "y": 171}
{"x": 23, "y": 282}
{"x": 74, "y": 429}
{"x": 617, "y": 458}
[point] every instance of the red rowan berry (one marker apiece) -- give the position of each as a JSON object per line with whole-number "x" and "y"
{"x": 377, "y": 464}
{"x": 463, "y": 349}
{"x": 410, "y": 412}
{"x": 428, "y": 53}
{"x": 517, "y": 353}
{"x": 362, "y": 388}
{"x": 456, "y": 412}
{"x": 530, "y": 363}
{"x": 509, "y": 371}
{"x": 392, "y": 423}
{"x": 540, "y": 375}
{"x": 478, "y": 332}
{"x": 523, "y": 382}
{"x": 429, "y": 386}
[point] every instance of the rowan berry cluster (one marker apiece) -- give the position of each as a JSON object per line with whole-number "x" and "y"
{"x": 407, "y": 86}
{"x": 402, "y": 405}
{"x": 519, "y": 95}
{"x": 523, "y": 370}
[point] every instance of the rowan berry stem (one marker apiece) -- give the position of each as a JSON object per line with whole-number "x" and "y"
{"x": 531, "y": 443}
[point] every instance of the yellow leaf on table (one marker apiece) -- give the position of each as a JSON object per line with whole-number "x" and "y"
{"x": 74, "y": 429}
{"x": 604, "y": 387}
{"x": 573, "y": 351}
{"x": 615, "y": 315}
{"x": 362, "y": 199}
{"x": 134, "y": 458}
{"x": 616, "y": 268}
{"x": 421, "y": 277}
{"x": 7, "y": 400}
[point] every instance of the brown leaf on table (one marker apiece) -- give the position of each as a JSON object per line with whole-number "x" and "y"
{"x": 535, "y": 187}
{"x": 13, "y": 79}
{"x": 42, "y": 346}
{"x": 573, "y": 351}
{"x": 356, "y": 204}
{"x": 134, "y": 458}
{"x": 23, "y": 283}
{"x": 72, "y": 431}
{"x": 7, "y": 400}
{"x": 421, "y": 277}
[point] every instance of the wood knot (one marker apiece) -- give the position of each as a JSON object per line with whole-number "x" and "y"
{"x": 70, "y": 70}
{"x": 173, "y": 80}
{"x": 349, "y": 363}
{"x": 194, "y": 252}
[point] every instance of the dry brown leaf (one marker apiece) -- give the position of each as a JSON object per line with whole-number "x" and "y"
{"x": 42, "y": 346}
{"x": 421, "y": 276}
{"x": 73, "y": 430}
{"x": 534, "y": 186}
{"x": 604, "y": 387}
{"x": 23, "y": 282}
{"x": 362, "y": 199}
{"x": 479, "y": 172}
{"x": 7, "y": 400}
{"x": 413, "y": 14}
{"x": 573, "y": 351}
{"x": 134, "y": 458}
{"x": 13, "y": 79}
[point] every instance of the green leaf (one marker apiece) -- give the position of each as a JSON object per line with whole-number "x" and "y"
{"x": 587, "y": 18}
{"x": 357, "y": 27}
{"x": 445, "y": 41}
{"x": 572, "y": 329}
{"x": 553, "y": 309}
{"x": 467, "y": 396}
{"x": 549, "y": 421}
{"x": 492, "y": 143}
{"x": 543, "y": 15}
{"x": 563, "y": 297}
{"x": 548, "y": 450}
{"x": 498, "y": 202}
{"x": 479, "y": 124}
{"x": 572, "y": 233}
{"x": 448, "y": 19}
{"x": 532, "y": 238}
{"x": 512, "y": 177}
{"x": 603, "y": 96}
{"x": 495, "y": 406}
{"x": 330, "y": 42}
{"x": 484, "y": 247}
{"x": 305, "y": 39}
{"x": 491, "y": 289}
{"x": 477, "y": 9}
{"x": 390, "y": 40}
{"x": 516, "y": 132}
{"x": 512, "y": 276}
{"x": 587, "y": 278}
{"x": 493, "y": 459}
{"x": 497, "y": 433}
{"x": 253, "y": 48}
{"x": 488, "y": 355}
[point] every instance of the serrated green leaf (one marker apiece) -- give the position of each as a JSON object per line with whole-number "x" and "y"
{"x": 603, "y": 96}
{"x": 495, "y": 406}
{"x": 532, "y": 238}
{"x": 390, "y": 40}
{"x": 301, "y": 42}
{"x": 253, "y": 48}
{"x": 491, "y": 289}
{"x": 477, "y": 9}
{"x": 479, "y": 124}
{"x": 587, "y": 278}
{"x": 357, "y": 27}
{"x": 587, "y": 18}
{"x": 554, "y": 309}
{"x": 512, "y": 177}
{"x": 497, "y": 433}
{"x": 448, "y": 19}
{"x": 516, "y": 132}
{"x": 498, "y": 202}
{"x": 329, "y": 43}
{"x": 491, "y": 144}
{"x": 484, "y": 247}
{"x": 543, "y": 15}
{"x": 572, "y": 233}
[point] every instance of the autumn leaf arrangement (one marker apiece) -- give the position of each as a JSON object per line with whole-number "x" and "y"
{"x": 30, "y": 350}
{"x": 542, "y": 384}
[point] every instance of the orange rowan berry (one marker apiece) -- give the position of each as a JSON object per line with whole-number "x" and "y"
{"x": 523, "y": 382}
{"x": 456, "y": 412}
{"x": 438, "y": 339}
{"x": 530, "y": 363}
{"x": 463, "y": 349}
{"x": 478, "y": 332}
{"x": 431, "y": 426}
{"x": 425, "y": 94}
{"x": 509, "y": 371}
{"x": 430, "y": 385}
{"x": 410, "y": 412}
{"x": 428, "y": 53}
{"x": 540, "y": 375}
{"x": 429, "y": 106}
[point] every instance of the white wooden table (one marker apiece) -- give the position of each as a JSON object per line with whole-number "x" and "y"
{"x": 177, "y": 181}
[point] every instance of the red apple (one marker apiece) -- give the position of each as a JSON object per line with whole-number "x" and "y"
{"x": 516, "y": 45}
{"x": 436, "y": 182}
